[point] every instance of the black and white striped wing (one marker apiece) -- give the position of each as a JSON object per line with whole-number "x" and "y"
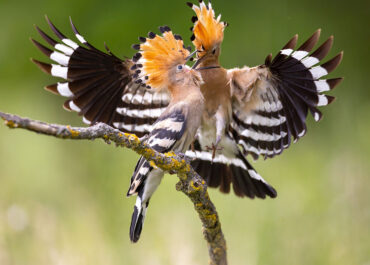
{"x": 139, "y": 109}
{"x": 287, "y": 88}
{"x": 99, "y": 86}
{"x": 166, "y": 135}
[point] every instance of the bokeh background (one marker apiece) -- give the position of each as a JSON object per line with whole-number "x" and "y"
{"x": 63, "y": 202}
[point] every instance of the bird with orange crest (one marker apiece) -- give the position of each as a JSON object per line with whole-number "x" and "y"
{"x": 162, "y": 66}
{"x": 254, "y": 110}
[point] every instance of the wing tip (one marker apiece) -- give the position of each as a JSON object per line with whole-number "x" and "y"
{"x": 46, "y": 68}
{"x": 52, "y": 88}
{"x": 334, "y": 82}
{"x": 333, "y": 63}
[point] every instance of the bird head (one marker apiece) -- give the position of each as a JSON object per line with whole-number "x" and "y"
{"x": 208, "y": 32}
{"x": 161, "y": 62}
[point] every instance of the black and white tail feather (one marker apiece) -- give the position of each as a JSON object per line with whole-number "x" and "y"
{"x": 286, "y": 88}
{"x": 99, "y": 86}
{"x": 229, "y": 167}
{"x": 166, "y": 135}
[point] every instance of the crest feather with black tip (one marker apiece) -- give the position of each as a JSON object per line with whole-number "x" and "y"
{"x": 208, "y": 30}
{"x": 156, "y": 56}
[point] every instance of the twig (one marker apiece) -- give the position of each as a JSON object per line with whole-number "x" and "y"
{"x": 191, "y": 184}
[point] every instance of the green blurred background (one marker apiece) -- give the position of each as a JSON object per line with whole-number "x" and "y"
{"x": 63, "y": 202}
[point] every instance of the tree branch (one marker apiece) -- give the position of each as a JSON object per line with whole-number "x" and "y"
{"x": 191, "y": 184}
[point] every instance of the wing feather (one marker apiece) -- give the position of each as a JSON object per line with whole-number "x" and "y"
{"x": 98, "y": 85}
{"x": 282, "y": 94}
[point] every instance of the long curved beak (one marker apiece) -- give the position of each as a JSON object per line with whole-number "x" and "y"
{"x": 190, "y": 56}
{"x": 198, "y": 62}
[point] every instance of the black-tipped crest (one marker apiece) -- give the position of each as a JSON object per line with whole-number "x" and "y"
{"x": 169, "y": 46}
{"x": 136, "y": 57}
{"x": 151, "y": 35}
{"x": 136, "y": 47}
{"x": 167, "y": 28}
{"x": 178, "y": 37}
{"x": 164, "y": 29}
{"x": 142, "y": 39}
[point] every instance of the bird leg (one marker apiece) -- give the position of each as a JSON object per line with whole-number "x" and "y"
{"x": 214, "y": 148}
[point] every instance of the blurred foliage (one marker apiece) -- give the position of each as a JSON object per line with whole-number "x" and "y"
{"x": 63, "y": 202}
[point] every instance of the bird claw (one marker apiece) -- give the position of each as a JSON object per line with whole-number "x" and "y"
{"x": 214, "y": 148}
{"x": 144, "y": 138}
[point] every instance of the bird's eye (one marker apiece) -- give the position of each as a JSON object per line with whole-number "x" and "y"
{"x": 179, "y": 67}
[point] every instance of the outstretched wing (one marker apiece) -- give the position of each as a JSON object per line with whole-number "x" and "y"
{"x": 271, "y": 101}
{"x": 99, "y": 86}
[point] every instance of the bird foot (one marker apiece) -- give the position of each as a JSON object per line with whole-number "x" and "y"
{"x": 214, "y": 148}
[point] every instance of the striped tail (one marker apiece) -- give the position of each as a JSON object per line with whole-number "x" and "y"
{"x": 144, "y": 183}
{"x": 231, "y": 169}
{"x": 137, "y": 220}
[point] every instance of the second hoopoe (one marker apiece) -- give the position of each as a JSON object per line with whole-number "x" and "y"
{"x": 254, "y": 110}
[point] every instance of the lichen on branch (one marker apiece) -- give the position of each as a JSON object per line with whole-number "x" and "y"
{"x": 190, "y": 183}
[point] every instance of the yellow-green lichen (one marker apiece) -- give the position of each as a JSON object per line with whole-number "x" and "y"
{"x": 194, "y": 186}
{"x": 132, "y": 137}
{"x": 149, "y": 152}
{"x": 152, "y": 164}
{"x": 10, "y": 124}
{"x": 170, "y": 154}
{"x": 73, "y": 132}
{"x": 212, "y": 218}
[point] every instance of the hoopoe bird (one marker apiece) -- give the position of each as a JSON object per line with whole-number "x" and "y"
{"x": 254, "y": 110}
{"x": 103, "y": 88}
{"x": 162, "y": 66}
{"x": 100, "y": 86}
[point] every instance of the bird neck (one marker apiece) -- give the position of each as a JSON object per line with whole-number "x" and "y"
{"x": 210, "y": 61}
{"x": 189, "y": 93}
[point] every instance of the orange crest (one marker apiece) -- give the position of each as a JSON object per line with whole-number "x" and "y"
{"x": 157, "y": 54}
{"x": 208, "y": 31}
